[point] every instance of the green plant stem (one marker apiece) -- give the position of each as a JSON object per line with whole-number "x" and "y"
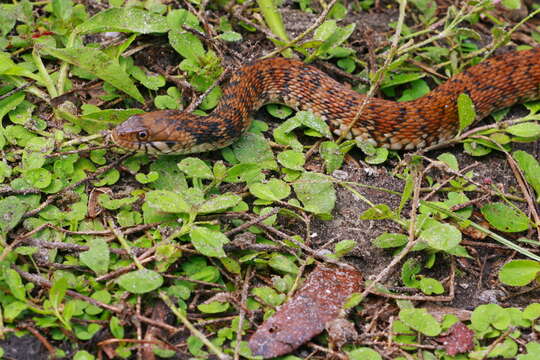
{"x": 297, "y": 39}
{"x": 508, "y": 34}
{"x": 180, "y": 315}
{"x": 488, "y": 232}
{"x": 44, "y": 74}
{"x": 273, "y": 19}
{"x": 62, "y": 76}
{"x": 124, "y": 243}
{"x": 31, "y": 89}
{"x": 81, "y": 140}
{"x": 461, "y": 16}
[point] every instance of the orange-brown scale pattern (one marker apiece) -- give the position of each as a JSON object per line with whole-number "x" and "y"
{"x": 493, "y": 84}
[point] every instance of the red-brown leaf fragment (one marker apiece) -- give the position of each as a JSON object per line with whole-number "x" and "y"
{"x": 304, "y": 316}
{"x": 459, "y": 339}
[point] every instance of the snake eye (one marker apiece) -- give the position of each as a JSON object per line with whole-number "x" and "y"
{"x": 142, "y": 135}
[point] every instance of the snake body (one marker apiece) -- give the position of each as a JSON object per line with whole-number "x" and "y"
{"x": 495, "y": 83}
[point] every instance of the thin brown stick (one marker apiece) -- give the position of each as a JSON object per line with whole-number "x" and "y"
{"x": 242, "y": 312}
{"x": 252, "y": 222}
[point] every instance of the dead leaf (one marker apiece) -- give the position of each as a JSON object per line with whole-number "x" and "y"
{"x": 459, "y": 339}
{"x": 305, "y": 315}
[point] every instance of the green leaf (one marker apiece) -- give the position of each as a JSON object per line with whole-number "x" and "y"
{"x": 147, "y": 178}
{"x": 380, "y": 156}
{"x": 12, "y": 210}
{"x": 309, "y": 120}
{"x": 532, "y": 312}
{"x": 316, "y": 192}
{"x": 129, "y": 19}
{"x": 335, "y": 39}
{"x": 279, "y": 111}
{"x": 511, "y": 4}
{"x": 214, "y": 307}
{"x": 170, "y": 176}
{"x": 140, "y": 281}
{"x": 332, "y": 156}
{"x": 230, "y": 36}
{"x": 212, "y": 99}
{"x": 98, "y": 63}
{"x": 390, "y": 240}
{"x": 519, "y": 272}
{"x": 178, "y": 17}
{"x": 525, "y": 129}
{"x": 488, "y": 315}
{"x": 167, "y": 201}
{"x": 284, "y": 264}
{"x": 364, "y": 353}
{"x": 231, "y": 265}
{"x": 208, "y": 242}
{"x": 507, "y": 349}
{"x": 273, "y": 190}
{"x": 58, "y": 291}
{"x": 505, "y": 218}
{"x": 254, "y": 149}
{"x": 62, "y": 9}
{"x": 14, "y": 282}
{"x": 292, "y": 159}
{"x": 427, "y": 7}
{"x": 533, "y": 351}
{"x": 531, "y": 169}
{"x": 377, "y": 212}
{"x": 187, "y": 45}
{"x": 466, "y": 111}
{"x": 195, "y": 168}
{"x": 431, "y": 286}
{"x": 268, "y": 295}
{"x": 11, "y": 102}
{"x": 219, "y": 203}
{"x": 441, "y": 236}
{"x": 150, "y": 80}
{"x": 83, "y": 355}
{"x": 13, "y": 309}
{"x": 420, "y": 320}
{"x": 39, "y": 178}
{"x": 450, "y": 160}
{"x": 400, "y": 79}
{"x": 409, "y": 270}
{"x": 343, "y": 247}
{"x": 97, "y": 256}
{"x": 418, "y": 88}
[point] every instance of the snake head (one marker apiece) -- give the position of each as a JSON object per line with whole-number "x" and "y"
{"x": 168, "y": 132}
{"x": 156, "y": 132}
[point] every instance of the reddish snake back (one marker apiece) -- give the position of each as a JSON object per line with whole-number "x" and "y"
{"x": 493, "y": 84}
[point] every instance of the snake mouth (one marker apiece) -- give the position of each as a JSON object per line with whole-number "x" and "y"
{"x": 156, "y": 147}
{"x": 149, "y": 147}
{"x": 160, "y": 147}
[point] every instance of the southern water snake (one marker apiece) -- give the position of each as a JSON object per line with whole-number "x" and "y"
{"x": 495, "y": 83}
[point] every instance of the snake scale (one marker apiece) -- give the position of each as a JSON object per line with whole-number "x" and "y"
{"x": 493, "y": 84}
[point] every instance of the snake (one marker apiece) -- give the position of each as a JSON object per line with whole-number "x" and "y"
{"x": 495, "y": 83}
